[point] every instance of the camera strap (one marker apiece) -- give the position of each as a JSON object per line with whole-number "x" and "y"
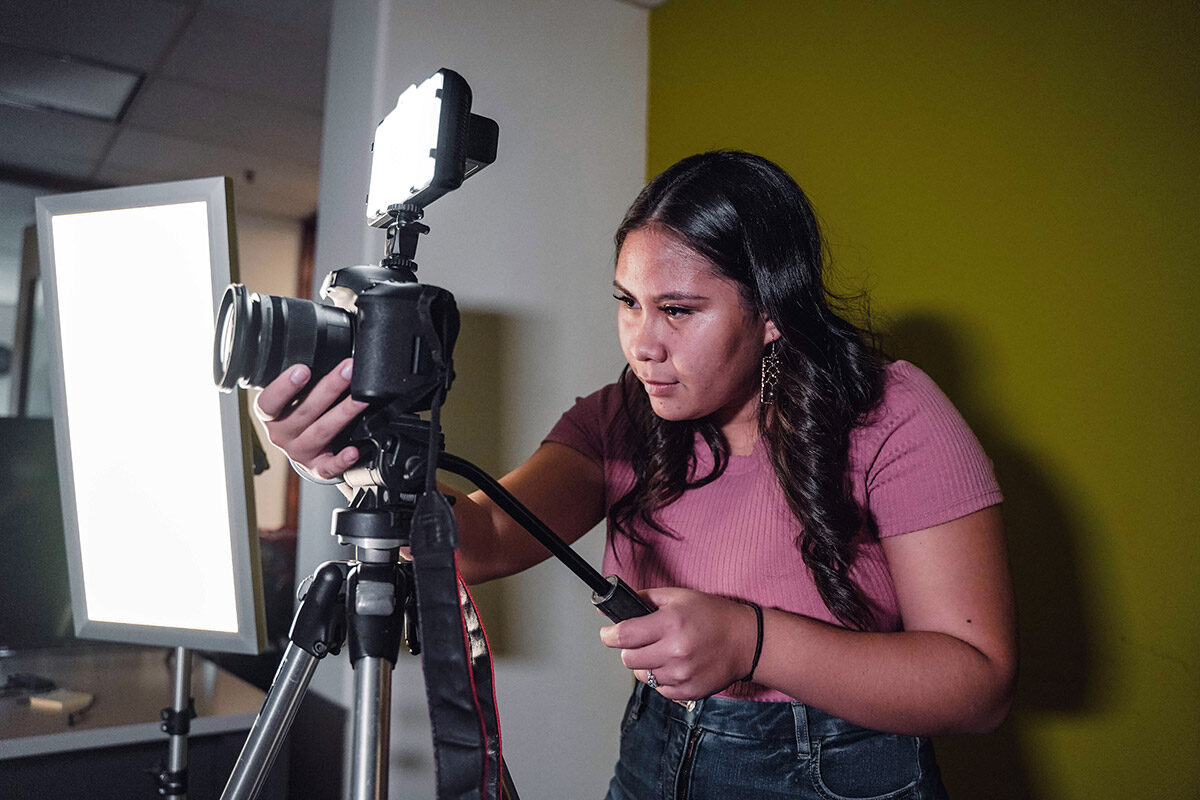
{"x": 456, "y": 660}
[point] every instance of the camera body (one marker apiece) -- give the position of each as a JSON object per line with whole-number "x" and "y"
{"x": 401, "y": 334}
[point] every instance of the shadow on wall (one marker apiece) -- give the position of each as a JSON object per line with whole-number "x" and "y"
{"x": 1060, "y": 672}
{"x": 473, "y": 422}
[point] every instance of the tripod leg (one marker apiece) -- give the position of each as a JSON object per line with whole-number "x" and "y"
{"x": 278, "y": 711}
{"x": 372, "y": 726}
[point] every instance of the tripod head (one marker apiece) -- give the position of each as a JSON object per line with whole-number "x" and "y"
{"x": 398, "y": 450}
{"x": 391, "y": 473}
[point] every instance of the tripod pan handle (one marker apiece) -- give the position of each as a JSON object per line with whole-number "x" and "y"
{"x": 620, "y": 601}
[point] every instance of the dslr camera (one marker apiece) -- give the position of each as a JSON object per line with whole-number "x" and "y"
{"x": 400, "y": 332}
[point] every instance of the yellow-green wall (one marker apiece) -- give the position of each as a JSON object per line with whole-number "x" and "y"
{"x": 1016, "y": 184}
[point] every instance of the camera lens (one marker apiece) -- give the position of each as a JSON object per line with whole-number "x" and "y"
{"x": 258, "y": 336}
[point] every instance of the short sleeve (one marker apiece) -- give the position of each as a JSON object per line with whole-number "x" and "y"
{"x": 924, "y": 465}
{"x": 584, "y": 427}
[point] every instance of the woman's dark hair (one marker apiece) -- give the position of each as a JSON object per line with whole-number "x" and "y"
{"x": 750, "y": 219}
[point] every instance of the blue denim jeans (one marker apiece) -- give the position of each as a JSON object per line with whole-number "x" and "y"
{"x": 746, "y": 750}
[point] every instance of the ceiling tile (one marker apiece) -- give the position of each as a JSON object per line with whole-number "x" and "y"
{"x": 250, "y": 57}
{"x": 231, "y": 86}
{"x": 188, "y": 111}
{"x": 126, "y": 33}
{"x": 35, "y": 79}
{"x": 310, "y": 17}
{"x": 60, "y": 144}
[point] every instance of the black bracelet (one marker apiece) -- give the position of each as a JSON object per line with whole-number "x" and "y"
{"x": 758, "y": 642}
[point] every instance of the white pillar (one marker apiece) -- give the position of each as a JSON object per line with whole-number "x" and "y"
{"x": 529, "y": 237}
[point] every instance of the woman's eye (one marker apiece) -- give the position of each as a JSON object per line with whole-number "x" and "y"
{"x": 676, "y": 311}
{"x": 623, "y": 300}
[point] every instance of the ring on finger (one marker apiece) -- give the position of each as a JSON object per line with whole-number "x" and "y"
{"x": 651, "y": 681}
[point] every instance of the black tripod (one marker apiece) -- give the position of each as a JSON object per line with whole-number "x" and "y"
{"x": 371, "y": 603}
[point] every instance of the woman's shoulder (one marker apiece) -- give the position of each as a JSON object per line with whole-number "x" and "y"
{"x": 913, "y": 415}
{"x": 917, "y": 457}
{"x": 601, "y": 406}
{"x": 901, "y": 375}
{"x": 907, "y": 392}
{"x": 590, "y": 424}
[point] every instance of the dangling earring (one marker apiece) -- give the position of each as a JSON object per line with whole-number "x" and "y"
{"x": 770, "y": 375}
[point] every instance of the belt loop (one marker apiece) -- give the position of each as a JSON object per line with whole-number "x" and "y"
{"x": 800, "y": 716}
{"x": 691, "y": 712}
{"x": 639, "y": 694}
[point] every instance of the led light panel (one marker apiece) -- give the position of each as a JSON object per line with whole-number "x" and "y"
{"x": 153, "y": 460}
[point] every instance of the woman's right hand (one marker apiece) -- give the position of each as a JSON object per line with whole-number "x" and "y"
{"x": 304, "y": 430}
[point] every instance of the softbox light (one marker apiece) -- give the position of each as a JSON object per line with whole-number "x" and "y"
{"x": 154, "y": 463}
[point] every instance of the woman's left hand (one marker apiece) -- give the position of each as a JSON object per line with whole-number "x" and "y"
{"x": 696, "y": 644}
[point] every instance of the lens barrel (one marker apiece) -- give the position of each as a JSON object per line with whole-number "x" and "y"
{"x": 258, "y": 336}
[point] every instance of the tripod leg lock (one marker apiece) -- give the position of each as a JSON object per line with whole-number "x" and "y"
{"x": 320, "y": 623}
{"x": 375, "y": 610}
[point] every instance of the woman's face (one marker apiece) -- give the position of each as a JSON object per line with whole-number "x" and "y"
{"x": 687, "y": 333}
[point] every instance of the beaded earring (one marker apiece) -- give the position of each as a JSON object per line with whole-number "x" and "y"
{"x": 770, "y": 375}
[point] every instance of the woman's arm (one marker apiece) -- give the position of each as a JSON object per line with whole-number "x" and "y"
{"x": 561, "y": 486}
{"x": 950, "y": 671}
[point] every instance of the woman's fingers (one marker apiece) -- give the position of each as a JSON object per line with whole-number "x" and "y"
{"x": 320, "y": 399}
{"x": 695, "y": 644}
{"x": 327, "y": 466}
{"x": 632, "y": 633}
{"x": 303, "y": 429}
{"x": 640, "y": 641}
{"x": 276, "y": 395}
{"x": 313, "y": 435}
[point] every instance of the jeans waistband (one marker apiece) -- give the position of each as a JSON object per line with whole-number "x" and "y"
{"x": 747, "y": 718}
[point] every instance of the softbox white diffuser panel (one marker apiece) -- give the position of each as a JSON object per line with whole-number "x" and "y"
{"x": 154, "y": 462}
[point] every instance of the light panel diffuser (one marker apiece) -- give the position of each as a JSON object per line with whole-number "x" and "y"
{"x": 153, "y": 460}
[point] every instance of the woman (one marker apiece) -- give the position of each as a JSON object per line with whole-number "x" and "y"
{"x": 817, "y": 528}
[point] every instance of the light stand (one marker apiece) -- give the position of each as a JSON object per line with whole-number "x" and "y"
{"x": 177, "y": 720}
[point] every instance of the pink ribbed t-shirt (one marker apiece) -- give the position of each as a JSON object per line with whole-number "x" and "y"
{"x": 915, "y": 464}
